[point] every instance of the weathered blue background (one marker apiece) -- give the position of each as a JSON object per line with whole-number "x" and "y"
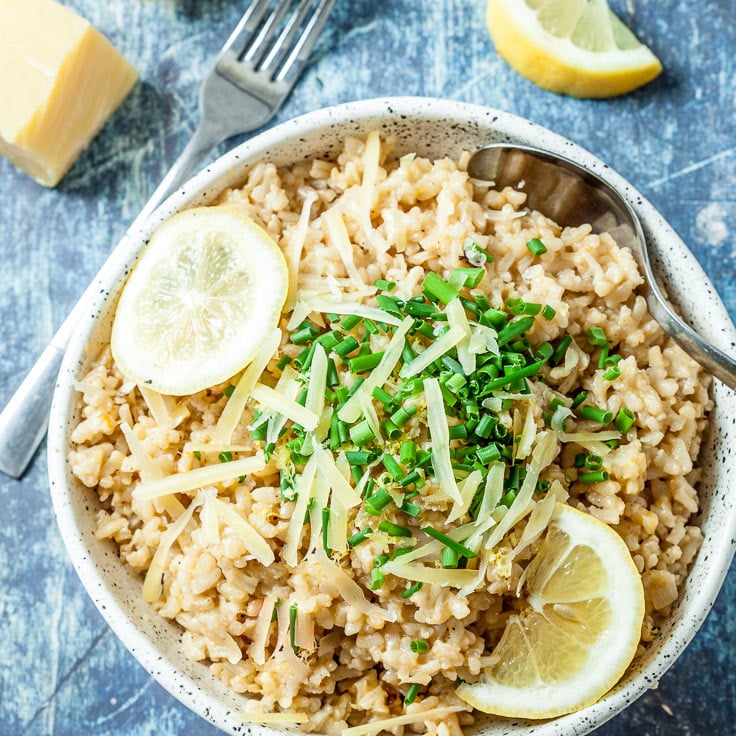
{"x": 61, "y": 670}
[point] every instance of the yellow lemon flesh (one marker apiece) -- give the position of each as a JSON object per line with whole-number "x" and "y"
{"x": 579, "y": 631}
{"x": 205, "y": 292}
{"x": 574, "y": 47}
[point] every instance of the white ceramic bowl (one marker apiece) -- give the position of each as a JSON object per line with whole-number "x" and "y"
{"x": 435, "y": 128}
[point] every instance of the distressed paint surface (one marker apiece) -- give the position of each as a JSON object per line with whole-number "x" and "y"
{"x": 61, "y": 669}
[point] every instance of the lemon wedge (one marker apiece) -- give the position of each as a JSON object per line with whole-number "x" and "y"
{"x": 579, "y": 630}
{"x": 574, "y": 47}
{"x": 207, "y": 289}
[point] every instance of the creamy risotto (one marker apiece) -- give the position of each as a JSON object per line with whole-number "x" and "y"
{"x": 292, "y": 580}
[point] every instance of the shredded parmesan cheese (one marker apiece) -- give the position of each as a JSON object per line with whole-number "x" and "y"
{"x": 320, "y": 305}
{"x": 437, "y": 714}
{"x": 200, "y": 477}
{"x": 239, "y": 398}
{"x": 164, "y": 411}
{"x": 294, "y": 250}
{"x": 253, "y": 541}
{"x": 296, "y": 523}
{"x": 349, "y": 590}
{"x": 439, "y": 433}
{"x": 456, "y": 317}
{"x": 282, "y": 404}
{"x": 153, "y": 583}
{"x": 337, "y": 233}
{"x": 379, "y": 375}
{"x": 257, "y": 650}
{"x": 435, "y": 351}
{"x": 149, "y": 469}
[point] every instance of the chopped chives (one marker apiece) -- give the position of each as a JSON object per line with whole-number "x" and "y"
{"x": 410, "y": 508}
{"x": 389, "y": 304}
{"x": 350, "y": 321}
{"x": 304, "y": 334}
{"x": 544, "y": 351}
{"x": 402, "y": 415}
{"x": 408, "y": 453}
{"x": 508, "y": 498}
{"x": 452, "y": 365}
{"x": 347, "y": 346}
{"x": 393, "y": 468}
{"x": 596, "y": 335}
{"x": 455, "y": 382}
{"x": 495, "y": 318}
{"x": 365, "y": 362}
{"x": 412, "y": 692}
{"x": 383, "y": 396}
{"x": 513, "y": 329}
{"x": 580, "y": 460}
{"x": 548, "y": 312}
{"x": 419, "y": 309}
{"x": 359, "y": 537}
{"x": 225, "y": 456}
{"x": 377, "y": 578}
{"x": 593, "y": 462}
{"x": 390, "y": 429}
{"x": 378, "y": 500}
{"x": 325, "y": 524}
{"x": 579, "y": 398}
{"x": 292, "y": 627}
{"x": 384, "y": 285}
{"x": 595, "y": 414}
{"x": 469, "y": 277}
{"x": 439, "y": 288}
{"x": 329, "y": 340}
{"x": 358, "y": 457}
{"x": 517, "y": 307}
{"x": 400, "y": 551}
{"x": 561, "y": 349}
{"x": 612, "y": 373}
{"x": 513, "y": 375}
{"x": 458, "y": 432}
{"x": 449, "y": 542}
{"x": 370, "y": 327}
{"x": 488, "y": 454}
{"x": 449, "y": 558}
{"x": 357, "y": 383}
{"x": 536, "y": 247}
{"x": 332, "y": 377}
{"x": 413, "y": 477}
{"x": 228, "y": 390}
{"x": 603, "y": 357}
{"x": 419, "y": 646}
{"x": 394, "y": 530}
{"x": 342, "y": 431}
{"x": 624, "y": 420}
{"x": 411, "y": 590}
{"x": 283, "y": 362}
{"x": 485, "y": 426}
{"x": 595, "y": 477}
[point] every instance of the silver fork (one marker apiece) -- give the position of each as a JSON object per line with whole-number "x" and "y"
{"x": 249, "y": 80}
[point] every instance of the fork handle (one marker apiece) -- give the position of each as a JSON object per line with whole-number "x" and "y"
{"x": 24, "y": 419}
{"x": 203, "y": 140}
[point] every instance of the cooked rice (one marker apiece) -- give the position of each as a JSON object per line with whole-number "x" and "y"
{"x": 422, "y": 213}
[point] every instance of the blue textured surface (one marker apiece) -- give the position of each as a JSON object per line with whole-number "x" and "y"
{"x": 61, "y": 669}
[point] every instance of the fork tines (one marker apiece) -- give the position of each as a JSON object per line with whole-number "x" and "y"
{"x": 275, "y": 37}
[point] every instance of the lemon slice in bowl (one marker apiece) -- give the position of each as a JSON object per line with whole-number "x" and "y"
{"x": 205, "y": 292}
{"x": 579, "y": 630}
{"x": 574, "y": 47}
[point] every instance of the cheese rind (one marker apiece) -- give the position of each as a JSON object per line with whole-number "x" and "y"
{"x": 60, "y": 80}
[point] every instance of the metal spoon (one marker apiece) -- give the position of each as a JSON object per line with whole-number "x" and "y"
{"x": 571, "y": 196}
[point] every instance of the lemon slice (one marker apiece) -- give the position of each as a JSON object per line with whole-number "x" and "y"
{"x": 580, "y": 628}
{"x": 204, "y": 294}
{"x": 575, "y": 47}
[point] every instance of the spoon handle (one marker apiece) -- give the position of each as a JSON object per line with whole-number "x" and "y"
{"x": 715, "y": 361}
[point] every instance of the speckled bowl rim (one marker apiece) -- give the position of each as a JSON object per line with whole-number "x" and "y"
{"x": 153, "y": 641}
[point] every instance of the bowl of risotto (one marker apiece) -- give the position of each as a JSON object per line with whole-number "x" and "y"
{"x": 352, "y": 443}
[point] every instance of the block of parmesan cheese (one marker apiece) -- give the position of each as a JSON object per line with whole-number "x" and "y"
{"x": 60, "y": 80}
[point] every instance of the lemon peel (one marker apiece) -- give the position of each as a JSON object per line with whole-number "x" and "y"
{"x": 201, "y": 299}
{"x": 573, "y": 47}
{"x": 579, "y": 632}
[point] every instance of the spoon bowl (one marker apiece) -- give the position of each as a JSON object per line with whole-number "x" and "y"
{"x": 571, "y": 195}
